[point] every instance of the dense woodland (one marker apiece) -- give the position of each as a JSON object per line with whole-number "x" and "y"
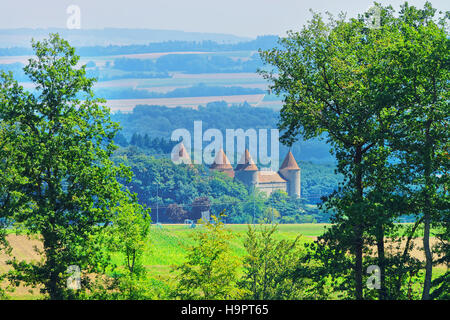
{"x": 217, "y": 115}
{"x": 160, "y": 184}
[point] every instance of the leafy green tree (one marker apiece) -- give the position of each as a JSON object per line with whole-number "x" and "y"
{"x": 62, "y": 163}
{"x": 269, "y": 266}
{"x": 8, "y": 198}
{"x": 211, "y": 269}
{"x": 323, "y": 74}
{"x": 419, "y": 94}
{"x": 270, "y": 215}
{"x": 175, "y": 213}
{"x": 348, "y": 80}
{"x": 129, "y": 236}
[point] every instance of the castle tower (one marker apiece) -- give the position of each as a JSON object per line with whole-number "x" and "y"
{"x": 290, "y": 171}
{"x": 246, "y": 171}
{"x": 180, "y": 154}
{"x": 222, "y": 164}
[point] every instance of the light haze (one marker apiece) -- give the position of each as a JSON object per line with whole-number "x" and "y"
{"x": 247, "y": 18}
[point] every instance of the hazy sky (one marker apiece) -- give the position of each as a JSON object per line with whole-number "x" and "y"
{"x": 239, "y": 17}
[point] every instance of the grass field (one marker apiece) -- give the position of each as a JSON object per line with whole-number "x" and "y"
{"x": 169, "y": 243}
{"x": 168, "y": 246}
{"x": 127, "y": 105}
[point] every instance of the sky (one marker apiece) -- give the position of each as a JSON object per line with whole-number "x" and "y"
{"x": 247, "y": 18}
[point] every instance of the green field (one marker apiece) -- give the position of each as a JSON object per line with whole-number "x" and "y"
{"x": 168, "y": 243}
{"x": 167, "y": 247}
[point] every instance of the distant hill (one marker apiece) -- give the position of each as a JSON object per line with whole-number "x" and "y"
{"x": 160, "y": 121}
{"x": 110, "y": 36}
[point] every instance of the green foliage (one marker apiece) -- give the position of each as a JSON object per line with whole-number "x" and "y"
{"x": 176, "y": 213}
{"x": 155, "y": 145}
{"x": 210, "y": 270}
{"x": 420, "y": 114}
{"x": 59, "y": 148}
{"x": 269, "y": 266}
{"x": 129, "y": 236}
{"x": 381, "y": 96}
{"x": 219, "y": 115}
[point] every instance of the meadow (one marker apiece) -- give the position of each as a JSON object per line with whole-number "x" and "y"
{"x": 168, "y": 245}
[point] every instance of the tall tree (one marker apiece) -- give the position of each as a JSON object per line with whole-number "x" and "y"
{"x": 419, "y": 83}
{"x": 129, "y": 236}
{"x": 323, "y": 73}
{"x": 61, "y": 163}
{"x": 380, "y": 95}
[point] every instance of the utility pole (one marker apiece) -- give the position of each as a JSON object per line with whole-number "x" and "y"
{"x": 157, "y": 202}
{"x": 254, "y": 217}
{"x": 271, "y": 195}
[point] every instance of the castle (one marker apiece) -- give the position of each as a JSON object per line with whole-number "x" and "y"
{"x": 287, "y": 178}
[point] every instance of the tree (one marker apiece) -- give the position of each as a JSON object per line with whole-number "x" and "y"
{"x": 62, "y": 162}
{"x": 322, "y": 72}
{"x": 129, "y": 236}
{"x": 419, "y": 91}
{"x": 175, "y": 213}
{"x": 269, "y": 266}
{"x": 383, "y": 105}
{"x": 199, "y": 206}
{"x": 210, "y": 270}
{"x": 10, "y": 199}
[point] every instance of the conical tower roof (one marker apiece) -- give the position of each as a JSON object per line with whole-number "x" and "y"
{"x": 221, "y": 162}
{"x": 289, "y": 163}
{"x": 246, "y": 163}
{"x": 180, "y": 154}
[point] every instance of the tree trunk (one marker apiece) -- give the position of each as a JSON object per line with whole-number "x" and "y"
{"x": 358, "y": 244}
{"x": 427, "y": 212}
{"x": 382, "y": 294}
{"x": 428, "y": 257}
{"x": 358, "y": 263}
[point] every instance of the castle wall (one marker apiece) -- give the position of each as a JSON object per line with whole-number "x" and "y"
{"x": 268, "y": 188}
{"x": 293, "y": 185}
{"x": 249, "y": 178}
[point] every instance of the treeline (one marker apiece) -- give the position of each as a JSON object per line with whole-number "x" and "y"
{"x": 217, "y": 115}
{"x": 261, "y": 42}
{"x": 159, "y": 146}
{"x": 190, "y": 63}
{"x": 108, "y": 74}
{"x": 200, "y": 90}
{"x": 127, "y": 68}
